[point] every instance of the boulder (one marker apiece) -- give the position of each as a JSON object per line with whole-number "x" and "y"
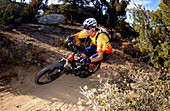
{"x": 52, "y": 19}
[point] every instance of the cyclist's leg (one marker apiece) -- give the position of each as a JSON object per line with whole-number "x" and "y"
{"x": 91, "y": 65}
{"x": 84, "y": 55}
{"x": 87, "y": 53}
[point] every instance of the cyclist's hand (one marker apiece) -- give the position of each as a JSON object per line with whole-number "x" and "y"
{"x": 87, "y": 60}
{"x": 69, "y": 38}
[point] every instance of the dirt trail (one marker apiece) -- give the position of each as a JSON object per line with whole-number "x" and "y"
{"x": 22, "y": 94}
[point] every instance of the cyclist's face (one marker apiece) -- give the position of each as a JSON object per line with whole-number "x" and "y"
{"x": 89, "y": 31}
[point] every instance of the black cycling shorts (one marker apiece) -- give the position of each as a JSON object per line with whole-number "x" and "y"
{"x": 91, "y": 51}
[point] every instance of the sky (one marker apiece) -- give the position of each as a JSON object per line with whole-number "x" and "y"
{"x": 148, "y": 4}
{"x": 49, "y": 1}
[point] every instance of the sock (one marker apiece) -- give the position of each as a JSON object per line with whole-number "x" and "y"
{"x": 90, "y": 70}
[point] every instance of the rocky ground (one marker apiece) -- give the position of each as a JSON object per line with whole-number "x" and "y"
{"x": 22, "y": 94}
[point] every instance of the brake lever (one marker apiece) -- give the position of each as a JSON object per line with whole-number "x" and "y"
{"x": 67, "y": 40}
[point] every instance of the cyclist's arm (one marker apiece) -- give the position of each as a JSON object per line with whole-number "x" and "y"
{"x": 75, "y": 36}
{"x": 98, "y": 58}
{"x": 80, "y": 35}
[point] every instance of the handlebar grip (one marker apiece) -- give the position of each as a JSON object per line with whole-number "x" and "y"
{"x": 69, "y": 39}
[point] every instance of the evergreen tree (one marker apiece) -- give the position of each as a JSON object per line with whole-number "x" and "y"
{"x": 154, "y": 35}
{"x": 10, "y": 12}
{"x": 115, "y": 9}
{"x": 31, "y": 10}
{"x": 165, "y": 8}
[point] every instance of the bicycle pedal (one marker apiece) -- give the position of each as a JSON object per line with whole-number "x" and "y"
{"x": 76, "y": 74}
{"x": 83, "y": 76}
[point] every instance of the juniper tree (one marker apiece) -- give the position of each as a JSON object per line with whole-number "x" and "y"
{"x": 154, "y": 34}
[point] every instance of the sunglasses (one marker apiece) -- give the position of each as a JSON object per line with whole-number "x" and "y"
{"x": 88, "y": 28}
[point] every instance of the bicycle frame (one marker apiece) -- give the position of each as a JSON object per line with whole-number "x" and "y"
{"x": 68, "y": 60}
{"x": 71, "y": 58}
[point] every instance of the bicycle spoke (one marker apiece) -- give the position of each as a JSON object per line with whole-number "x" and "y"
{"x": 45, "y": 78}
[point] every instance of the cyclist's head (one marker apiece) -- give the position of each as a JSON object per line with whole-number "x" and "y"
{"x": 90, "y": 22}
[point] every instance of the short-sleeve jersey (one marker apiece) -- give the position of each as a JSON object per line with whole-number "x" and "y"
{"x": 103, "y": 43}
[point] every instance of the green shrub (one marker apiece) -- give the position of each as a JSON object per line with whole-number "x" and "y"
{"x": 153, "y": 30}
{"x": 10, "y": 12}
{"x": 50, "y": 12}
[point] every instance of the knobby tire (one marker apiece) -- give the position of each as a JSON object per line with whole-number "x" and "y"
{"x": 49, "y": 73}
{"x": 95, "y": 69}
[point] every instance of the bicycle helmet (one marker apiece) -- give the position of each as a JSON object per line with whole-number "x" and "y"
{"x": 90, "y": 22}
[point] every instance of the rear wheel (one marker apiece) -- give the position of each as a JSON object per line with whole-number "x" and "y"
{"x": 49, "y": 73}
{"x": 85, "y": 73}
{"x": 96, "y": 67}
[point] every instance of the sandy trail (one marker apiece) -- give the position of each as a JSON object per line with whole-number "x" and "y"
{"x": 61, "y": 94}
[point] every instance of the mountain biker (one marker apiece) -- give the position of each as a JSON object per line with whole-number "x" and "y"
{"x": 100, "y": 48}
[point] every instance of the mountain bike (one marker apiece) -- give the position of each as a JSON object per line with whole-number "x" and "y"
{"x": 77, "y": 66}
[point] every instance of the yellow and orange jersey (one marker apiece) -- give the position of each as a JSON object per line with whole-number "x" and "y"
{"x": 103, "y": 43}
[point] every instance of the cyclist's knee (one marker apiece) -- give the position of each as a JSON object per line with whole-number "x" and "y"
{"x": 84, "y": 56}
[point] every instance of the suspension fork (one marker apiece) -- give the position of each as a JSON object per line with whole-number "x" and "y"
{"x": 64, "y": 61}
{"x": 71, "y": 60}
{"x": 73, "y": 65}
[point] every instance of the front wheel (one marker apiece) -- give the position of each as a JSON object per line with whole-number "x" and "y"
{"x": 49, "y": 73}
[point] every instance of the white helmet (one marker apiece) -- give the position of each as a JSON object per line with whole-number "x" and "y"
{"x": 90, "y": 22}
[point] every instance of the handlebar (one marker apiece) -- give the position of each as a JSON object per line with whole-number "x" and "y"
{"x": 69, "y": 39}
{"x": 70, "y": 43}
